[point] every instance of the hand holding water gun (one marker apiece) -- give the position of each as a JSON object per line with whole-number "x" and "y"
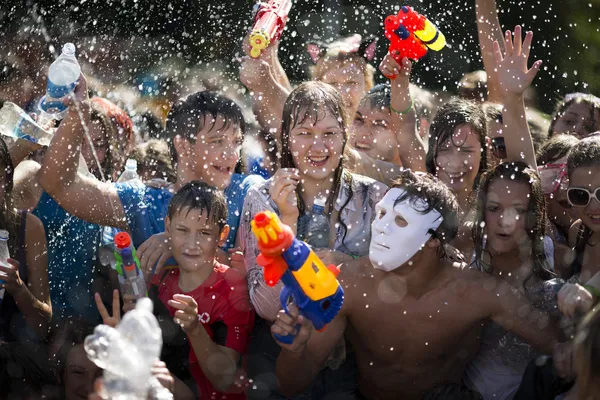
{"x": 411, "y": 35}
{"x": 127, "y": 265}
{"x": 268, "y": 25}
{"x": 311, "y": 285}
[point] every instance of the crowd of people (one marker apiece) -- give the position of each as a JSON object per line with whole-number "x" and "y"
{"x": 464, "y": 227}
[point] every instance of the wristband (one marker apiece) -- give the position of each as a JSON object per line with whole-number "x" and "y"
{"x": 595, "y": 292}
{"x": 402, "y": 112}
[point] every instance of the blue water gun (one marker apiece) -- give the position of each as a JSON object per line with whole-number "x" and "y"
{"x": 311, "y": 285}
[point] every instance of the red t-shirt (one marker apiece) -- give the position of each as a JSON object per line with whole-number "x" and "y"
{"x": 224, "y": 310}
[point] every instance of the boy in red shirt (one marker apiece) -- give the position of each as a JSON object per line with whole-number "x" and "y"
{"x": 208, "y": 300}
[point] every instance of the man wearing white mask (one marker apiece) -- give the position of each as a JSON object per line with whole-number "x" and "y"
{"x": 412, "y": 316}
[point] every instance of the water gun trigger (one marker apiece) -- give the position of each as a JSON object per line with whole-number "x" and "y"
{"x": 334, "y": 270}
{"x": 274, "y": 268}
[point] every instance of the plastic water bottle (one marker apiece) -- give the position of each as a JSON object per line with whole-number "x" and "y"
{"x": 126, "y": 354}
{"x": 130, "y": 172}
{"x": 62, "y": 77}
{"x": 4, "y": 256}
{"x": 317, "y": 227}
{"x": 16, "y": 123}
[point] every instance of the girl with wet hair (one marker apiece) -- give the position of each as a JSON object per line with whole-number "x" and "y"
{"x": 509, "y": 243}
{"x": 577, "y": 114}
{"x": 314, "y": 135}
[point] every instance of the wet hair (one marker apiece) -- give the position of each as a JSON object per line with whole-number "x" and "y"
{"x": 187, "y": 117}
{"x": 587, "y": 356}
{"x": 425, "y": 186}
{"x": 452, "y": 391}
{"x": 474, "y": 86}
{"x": 451, "y": 115}
{"x": 202, "y": 197}
{"x": 589, "y": 100}
{"x": 312, "y": 101}
{"x": 535, "y": 220}
{"x": 555, "y": 149}
{"x": 333, "y": 55}
{"x": 378, "y": 96}
{"x": 586, "y": 153}
{"x": 69, "y": 334}
{"x": 154, "y": 158}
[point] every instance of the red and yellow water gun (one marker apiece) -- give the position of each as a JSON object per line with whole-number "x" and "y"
{"x": 268, "y": 25}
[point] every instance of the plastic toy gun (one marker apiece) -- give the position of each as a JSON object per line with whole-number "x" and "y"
{"x": 313, "y": 287}
{"x": 268, "y": 25}
{"x": 411, "y": 34}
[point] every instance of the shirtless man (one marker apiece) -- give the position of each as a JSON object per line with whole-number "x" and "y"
{"x": 412, "y": 317}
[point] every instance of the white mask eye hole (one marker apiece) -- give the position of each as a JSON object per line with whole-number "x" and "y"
{"x": 401, "y": 222}
{"x": 381, "y": 213}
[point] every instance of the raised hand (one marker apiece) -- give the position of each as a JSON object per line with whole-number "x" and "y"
{"x": 187, "y": 312}
{"x": 107, "y": 319}
{"x": 283, "y": 191}
{"x": 390, "y": 68}
{"x": 154, "y": 251}
{"x": 514, "y": 76}
{"x": 286, "y": 324}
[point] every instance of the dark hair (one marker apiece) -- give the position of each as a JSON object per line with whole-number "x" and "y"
{"x": 70, "y": 334}
{"x": 186, "y": 117}
{"x": 535, "y": 221}
{"x": 438, "y": 196}
{"x": 591, "y": 101}
{"x": 586, "y": 153}
{"x": 452, "y": 391}
{"x": 556, "y": 148}
{"x": 450, "y": 116}
{"x": 474, "y": 86}
{"x": 313, "y": 101}
{"x": 153, "y": 156}
{"x": 493, "y": 112}
{"x": 197, "y": 195}
{"x": 378, "y": 96}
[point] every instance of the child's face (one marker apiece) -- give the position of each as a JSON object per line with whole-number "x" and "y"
{"x": 349, "y": 79}
{"x": 372, "y": 133}
{"x": 213, "y": 157}
{"x": 588, "y": 178}
{"x": 194, "y": 239}
{"x": 79, "y": 375}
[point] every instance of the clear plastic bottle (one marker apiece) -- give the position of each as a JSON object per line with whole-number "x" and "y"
{"x": 4, "y": 256}
{"x": 62, "y": 77}
{"x": 317, "y": 227}
{"x": 130, "y": 172}
{"x": 126, "y": 354}
{"x": 16, "y": 123}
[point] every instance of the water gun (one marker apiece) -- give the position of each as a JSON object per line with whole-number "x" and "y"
{"x": 411, "y": 35}
{"x": 122, "y": 241}
{"x": 268, "y": 25}
{"x": 311, "y": 285}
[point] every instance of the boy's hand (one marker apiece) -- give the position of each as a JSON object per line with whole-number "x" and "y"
{"x": 162, "y": 373}
{"x": 574, "y": 299}
{"x": 286, "y": 324}
{"x": 511, "y": 68}
{"x": 106, "y": 318}
{"x": 187, "y": 312}
{"x": 154, "y": 251}
{"x": 390, "y": 68}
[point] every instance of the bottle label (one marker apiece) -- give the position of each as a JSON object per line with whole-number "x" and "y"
{"x": 52, "y": 106}
{"x": 58, "y": 91}
{"x": 26, "y": 130}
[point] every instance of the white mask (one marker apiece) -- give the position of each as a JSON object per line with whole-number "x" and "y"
{"x": 393, "y": 241}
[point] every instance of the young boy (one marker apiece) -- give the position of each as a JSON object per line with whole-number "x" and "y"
{"x": 208, "y": 300}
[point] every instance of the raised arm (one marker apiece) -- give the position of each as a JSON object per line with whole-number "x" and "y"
{"x": 84, "y": 197}
{"x": 514, "y": 78}
{"x": 489, "y": 31}
{"x": 404, "y": 119}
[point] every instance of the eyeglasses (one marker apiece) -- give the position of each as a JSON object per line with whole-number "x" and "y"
{"x": 580, "y": 197}
{"x": 553, "y": 176}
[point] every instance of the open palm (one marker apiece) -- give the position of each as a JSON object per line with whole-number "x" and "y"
{"x": 512, "y": 71}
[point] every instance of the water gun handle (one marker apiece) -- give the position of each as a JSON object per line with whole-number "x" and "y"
{"x": 285, "y": 295}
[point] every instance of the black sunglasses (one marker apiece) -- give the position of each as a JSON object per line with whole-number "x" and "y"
{"x": 580, "y": 197}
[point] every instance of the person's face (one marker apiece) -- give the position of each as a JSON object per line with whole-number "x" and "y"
{"x": 194, "y": 239}
{"x": 505, "y": 214}
{"x": 213, "y": 157}
{"x": 399, "y": 230}
{"x": 371, "y": 133}
{"x": 99, "y": 138}
{"x": 79, "y": 375}
{"x": 316, "y": 147}
{"x": 458, "y": 159}
{"x": 577, "y": 120}
{"x": 588, "y": 178}
{"x": 349, "y": 79}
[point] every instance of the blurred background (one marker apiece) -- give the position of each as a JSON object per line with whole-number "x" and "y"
{"x": 160, "y": 46}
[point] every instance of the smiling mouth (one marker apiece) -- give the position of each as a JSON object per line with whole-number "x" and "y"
{"x": 595, "y": 218}
{"x": 456, "y": 176}
{"x": 362, "y": 146}
{"x": 222, "y": 170}
{"x": 318, "y": 161}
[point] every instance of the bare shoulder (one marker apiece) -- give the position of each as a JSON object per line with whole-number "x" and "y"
{"x": 34, "y": 225}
